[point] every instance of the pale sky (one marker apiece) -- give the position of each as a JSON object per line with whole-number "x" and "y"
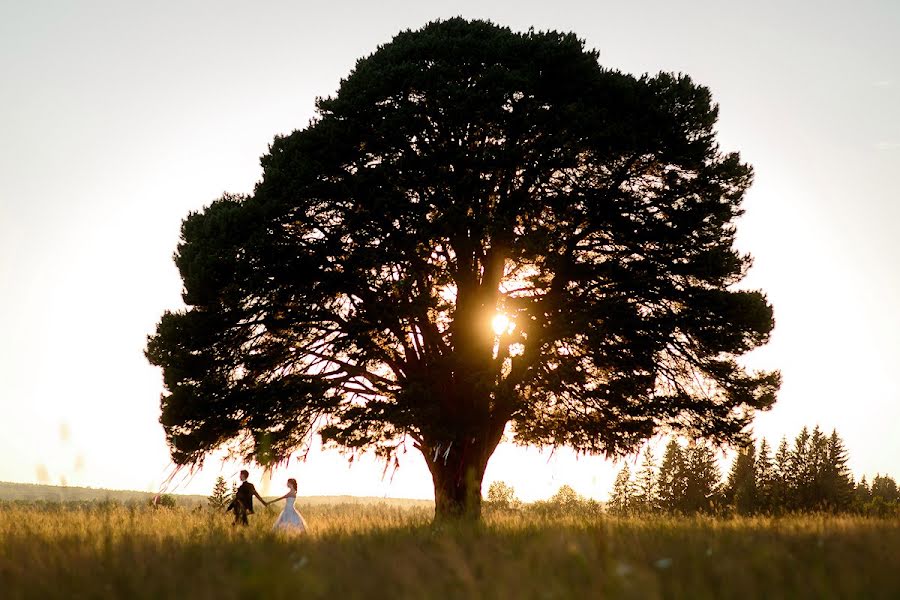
{"x": 118, "y": 117}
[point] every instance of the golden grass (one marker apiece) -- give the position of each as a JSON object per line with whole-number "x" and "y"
{"x": 359, "y": 551}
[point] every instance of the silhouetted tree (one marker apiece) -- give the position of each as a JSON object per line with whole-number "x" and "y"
{"x": 741, "y": 488}
{"x": 766, "y": 478}
{"x": 800, "y": 472}
{"x": 781, "y": 488}
{"x": 502, "y": 495}
{"x": 646, "y": 485}
{"x": 462, "y": 171}
{"x": 623, "y": 498}
{"x": 566, "y": 497}
{"x": 219, "y": 498}
{"x": 836, "y": 480}
{"x": 862, "y": 495}
{"x": 703, "y": 479}
{"x": 672, "y": 481}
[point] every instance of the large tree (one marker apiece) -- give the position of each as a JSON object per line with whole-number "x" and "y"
{"x": 465, "y": 175}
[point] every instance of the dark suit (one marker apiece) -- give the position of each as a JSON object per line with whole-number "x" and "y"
{"x": 242, "y": 504}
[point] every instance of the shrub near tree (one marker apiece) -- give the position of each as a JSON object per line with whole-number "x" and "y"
{"x": 502, "y": 496}
{"x": 465, "y": 174}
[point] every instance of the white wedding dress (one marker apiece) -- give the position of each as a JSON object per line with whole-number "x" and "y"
{"x": 290, "y": 521}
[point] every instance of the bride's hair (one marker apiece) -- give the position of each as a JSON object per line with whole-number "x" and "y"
{"x": 293, "y": 483}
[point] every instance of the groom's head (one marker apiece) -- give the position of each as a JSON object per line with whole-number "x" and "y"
{"x": 244, "y": 474}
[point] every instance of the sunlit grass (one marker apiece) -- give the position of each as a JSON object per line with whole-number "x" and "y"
{"x": 359, "y": 551}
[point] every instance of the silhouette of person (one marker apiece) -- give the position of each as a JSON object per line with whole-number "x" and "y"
{"x": 242, "y": 503}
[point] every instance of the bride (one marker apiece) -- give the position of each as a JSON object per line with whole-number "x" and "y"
{"x": 289, "y": 521}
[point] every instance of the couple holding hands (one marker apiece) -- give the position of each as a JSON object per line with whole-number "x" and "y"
{"x": 289, "y": 521}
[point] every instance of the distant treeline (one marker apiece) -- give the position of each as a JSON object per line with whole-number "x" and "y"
{"x": 809, "y": 475}
{"x": 39, "y": 493}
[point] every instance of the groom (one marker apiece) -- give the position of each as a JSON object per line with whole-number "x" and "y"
{"x": 242, "y": 503}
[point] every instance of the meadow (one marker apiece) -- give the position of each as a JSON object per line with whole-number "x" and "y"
{"x": 382, "y": 551}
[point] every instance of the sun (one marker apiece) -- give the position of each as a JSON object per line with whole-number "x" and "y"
{"x": 501, "y": 324}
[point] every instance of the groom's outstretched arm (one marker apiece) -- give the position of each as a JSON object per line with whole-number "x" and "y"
{"x": 255, "y": 493}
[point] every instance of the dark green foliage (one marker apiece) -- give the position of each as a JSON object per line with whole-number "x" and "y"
{"x": 884, "y": 488}
{"x": 163, "y": 501}
{"x": 862, "y": 495}
{"x": 781, "y": 488}
{"x": 703, "y": 479}
{"x": 672, "y": 482}
{"x": 687, "y": 481}
{"x": 463, "y": 170}
{"x": 766, "y": 478}
{"x": 882, "y": 498}
{"x": 837, "y": 482}
{"x": 811, "y": 476}
{"x": 741, "y": 491}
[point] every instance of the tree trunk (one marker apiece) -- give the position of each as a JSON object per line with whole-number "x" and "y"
{"x": 457, "y": 470}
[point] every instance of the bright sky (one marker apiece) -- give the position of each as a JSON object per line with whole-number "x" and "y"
{"x": 119, "y": 117}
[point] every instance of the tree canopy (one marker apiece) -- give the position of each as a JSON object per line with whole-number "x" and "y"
{"x": 464, "y": 174}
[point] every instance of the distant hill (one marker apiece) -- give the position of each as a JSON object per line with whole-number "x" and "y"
{"x": 28, "y": 492}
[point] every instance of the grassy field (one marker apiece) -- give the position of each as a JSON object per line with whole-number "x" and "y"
{"x": 380, "y": 551}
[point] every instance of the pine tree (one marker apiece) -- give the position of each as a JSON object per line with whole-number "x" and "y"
{"x": 647, "y": 485}
{"x": 219, "y": 498}
{"x": 766, "y": 477}
{"x": 817, "y": 495}
{"x": 800, "y": 473}
{"x": 741, "y": 489}
{"x": 703, "y": 479}
{"x": 672, "y": 482}
{"x": 781, "y": 488}
{"x": 836, "y": 480}
{"x": 622, "y": 499}
{"x": 862, "y": 495}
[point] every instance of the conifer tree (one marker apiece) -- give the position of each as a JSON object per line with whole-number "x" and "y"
{"x": 219, "y": 498}
{"x": 647, "y": 484}
{"x": 862, "y": 495}
{"x": 781, "y": 489}
{"x": 703, "y": 479}
{"x": 799, "y": 472}
{"x": 741, "y": 489}
{"x": 766, "y": 478}
{"x": 837, "y": 482}
{"x": 622, "y": 499}
{"x": 817, "y": 464}
{"x": 672, "y": 481}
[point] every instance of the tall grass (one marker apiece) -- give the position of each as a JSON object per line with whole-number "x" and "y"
{"x": 359, "y": 551}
